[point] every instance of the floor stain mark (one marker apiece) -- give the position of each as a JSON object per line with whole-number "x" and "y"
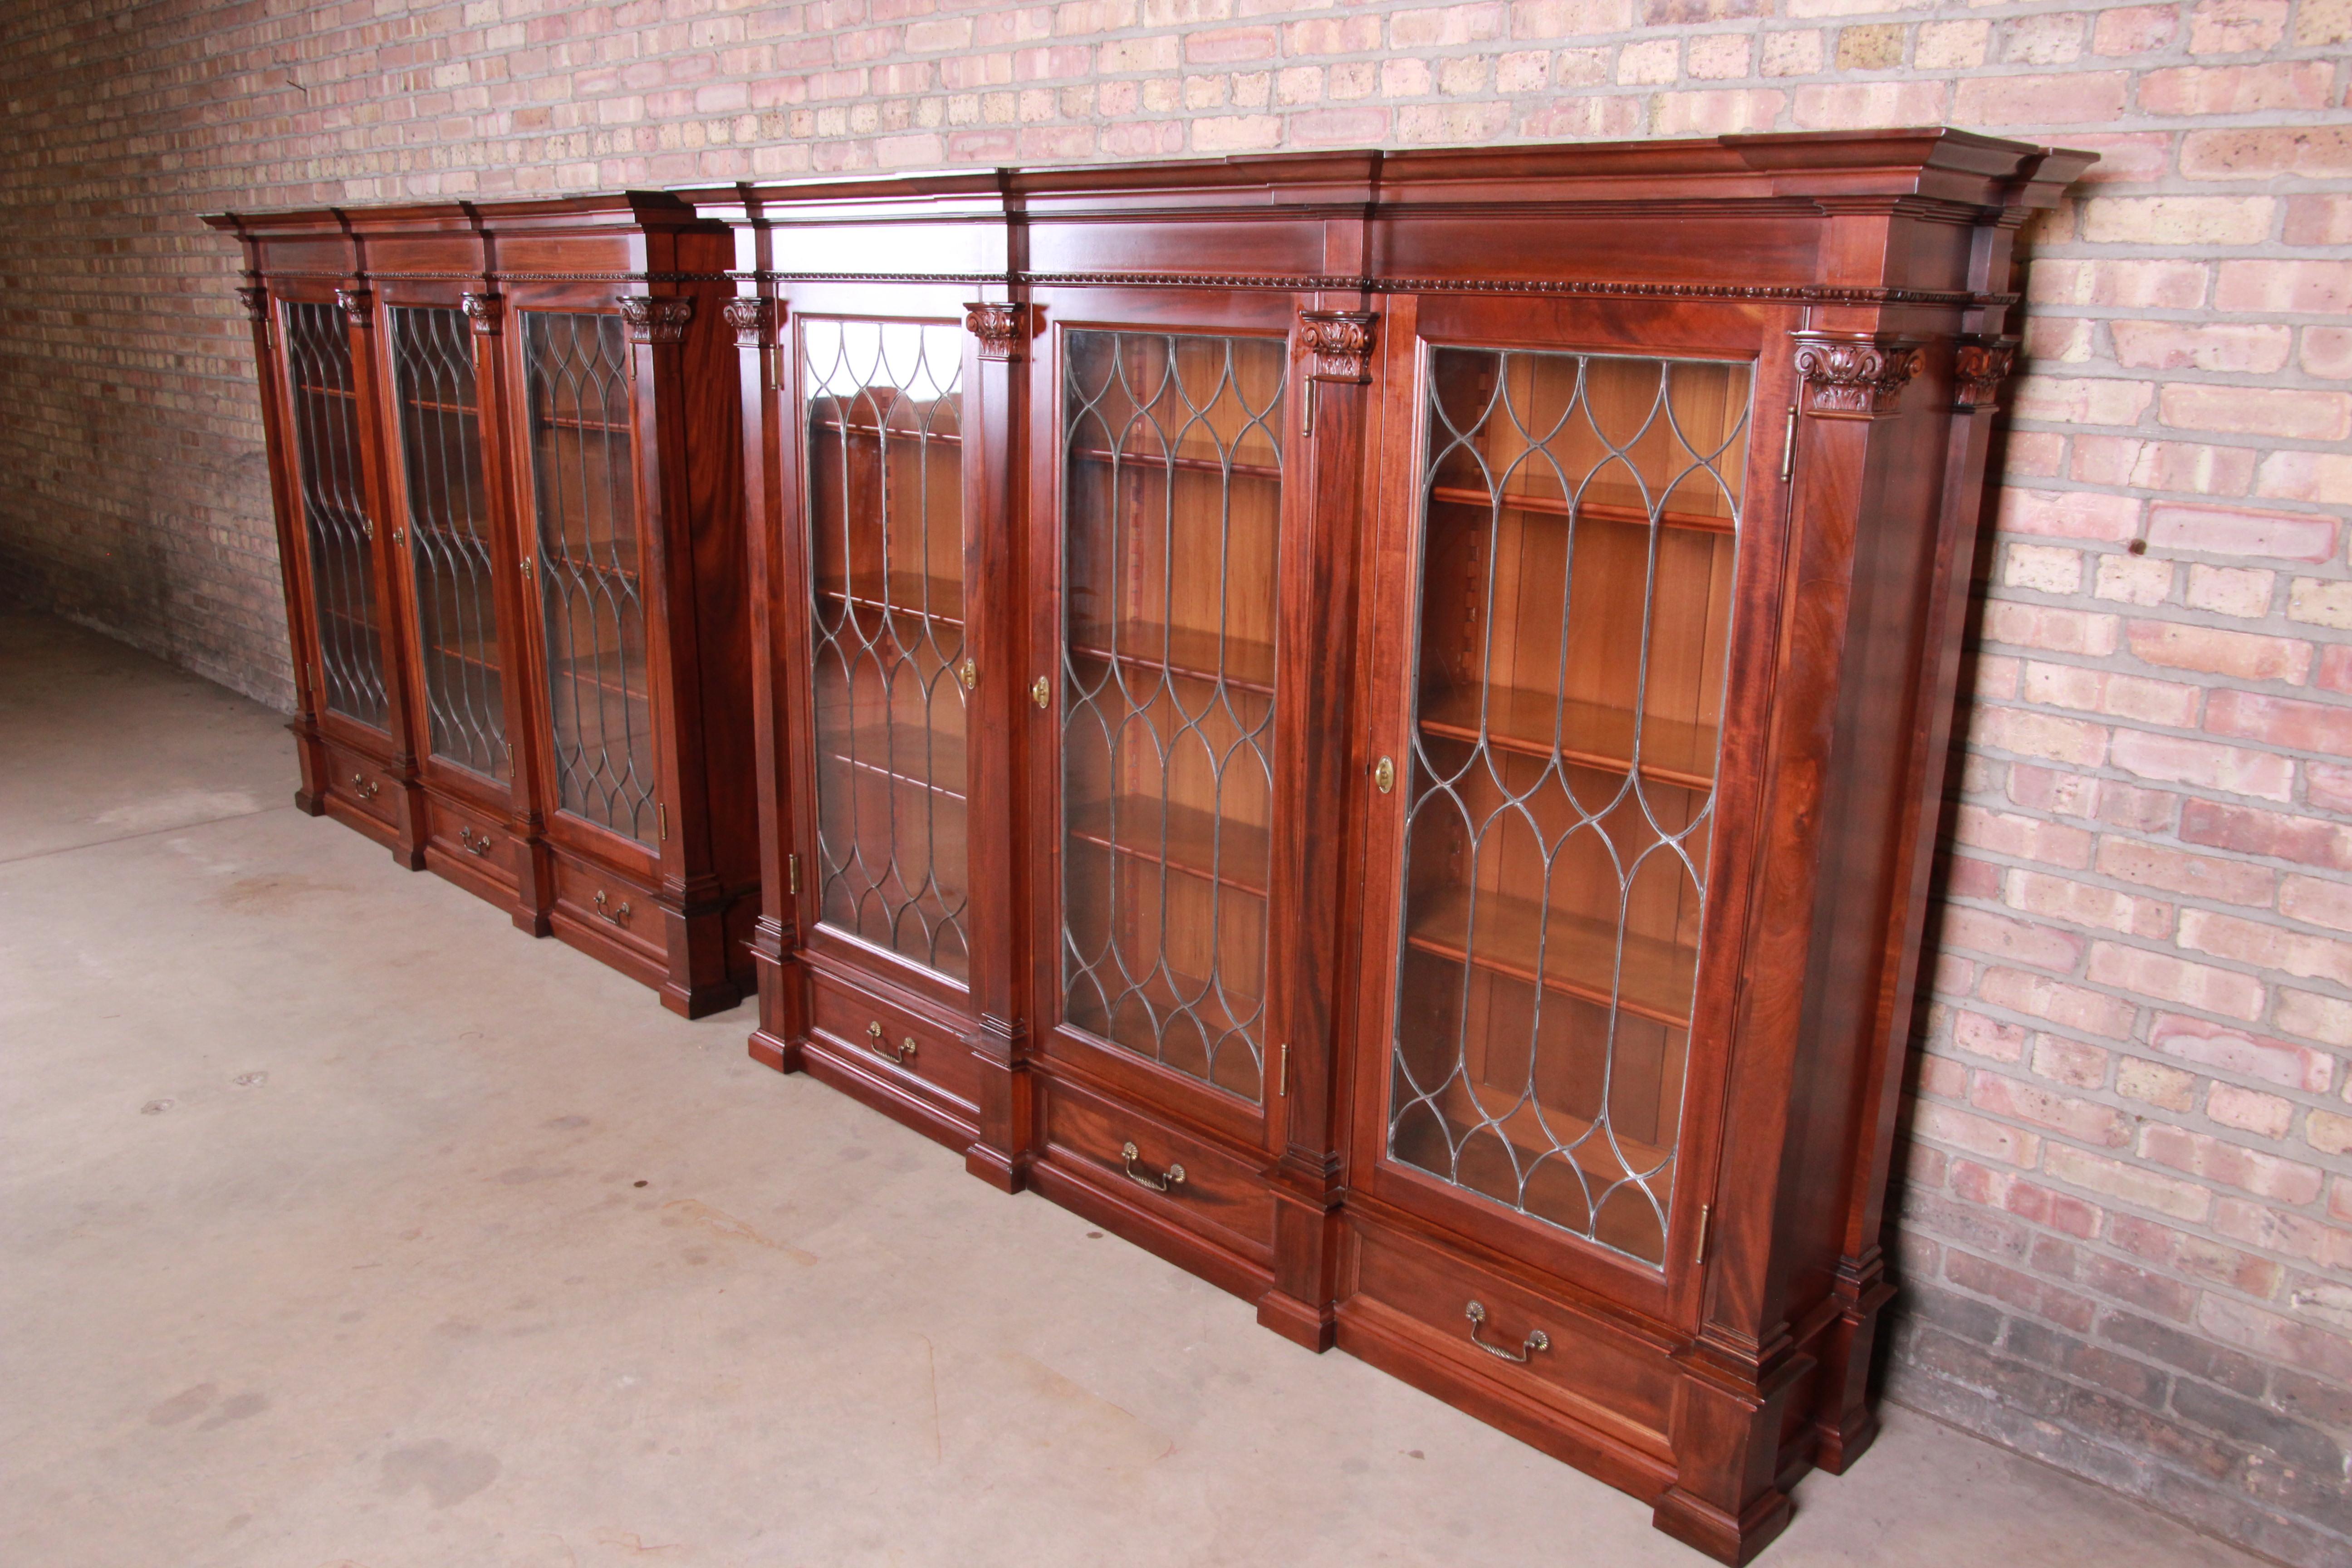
{"x": 449, "y": 1474}
{"x": 694, "y": 1211}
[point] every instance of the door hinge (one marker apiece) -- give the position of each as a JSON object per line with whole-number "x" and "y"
{"x": 1282, "y": 1074}
{"x": 661, "y": 815}
{"x": 1706, "y": 1223}
{"x": 1788, "y": 446}
{"x": 793, "y": 874}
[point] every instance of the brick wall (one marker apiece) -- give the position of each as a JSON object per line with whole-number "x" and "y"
{"x": 2128, "y": 1209}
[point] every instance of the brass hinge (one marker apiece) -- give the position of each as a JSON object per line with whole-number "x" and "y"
{"x": 1788, "y": 446}
{"x": 792, "y": 873}
{"x": 661, "y": 815}
{"x": 1706, "y": 1217}
{"x": 1282, "y": 1074}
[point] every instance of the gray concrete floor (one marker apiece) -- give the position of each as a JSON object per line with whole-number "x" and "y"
{"x": 345, "y": 1227}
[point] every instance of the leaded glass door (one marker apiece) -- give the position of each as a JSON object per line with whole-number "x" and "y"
{"x": 447, "y": 501}
{"x": 1172, "y": 457}
{"x": 1575, "y": 529}
{"x": 890, "y": 677}
{"x": 591, "y": 568}
{"x": 324, "y": 398}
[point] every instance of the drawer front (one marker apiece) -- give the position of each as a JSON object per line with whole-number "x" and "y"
{"x": 1592, "y": 1370}
{"x": 1218, "y": 1196}
{"x": 894, "y": 1041}
{"x": 364, "y": 782}
{"x": 470, "y": 837}
{"x": 610, "y": 905}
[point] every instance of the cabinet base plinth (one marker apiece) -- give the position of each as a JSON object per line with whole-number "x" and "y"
{"x": 1300, "y": 1322}
{"x": 1708, "y": 1529}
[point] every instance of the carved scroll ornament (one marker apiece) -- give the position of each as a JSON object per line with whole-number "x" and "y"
{"x": 1337, "y": 345}
{"x": 485, "y": 312}
{"x": 1979, "y": 367}
{"x": 359, "y": 305}
{"x": 748, "y": 318}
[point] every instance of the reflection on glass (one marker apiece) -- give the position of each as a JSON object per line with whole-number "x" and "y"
{"x": 334, "y": 511}
{"x": 885, "y": 403}
{"x": 1171, "y": 511}
{"x": 449, "y": 537}
{"x": 1580, "y": 515}
{"x": 591, "y": 574}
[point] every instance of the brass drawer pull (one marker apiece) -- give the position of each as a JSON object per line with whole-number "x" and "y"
{"x": 1538, "y": 1340}
{"x": 365, "y": 787}
{"x": 619, "y": 917}
{"x": 900, "y": 1054}
{"x": 1174, "y": 1178}
{"x": 475, "y": 843}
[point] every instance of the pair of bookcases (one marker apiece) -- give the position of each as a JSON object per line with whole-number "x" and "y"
{"x": 1371, "y": 723}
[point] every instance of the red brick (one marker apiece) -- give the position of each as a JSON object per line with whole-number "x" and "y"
{"x": 2178, "y": 759}
{"x": 2020, "y": 1290}
{"x": 2258, "y": 411}
{"x": 2048, "y": 626}
{"x": 2306, "y": 287}
{"x": 2319, "y": 220}
{"x": 2194, "y": 1255}
{"x": 2019, "y": 941}
{"x": 2264, "y": 1333}
{"x": 2085, "y": 1121}
{"x": 2236, "y": 89}
{"x": 2201, "y": 1154}
{"x": 2242, "y": 348}
{"x": 2281, "y": 722}
{"x": 2128, "y": 1184}
{"x": 2302, "y": 839}
{"x": 2062, "y": 897}
{"x": 2026, "y": 838}
{"x": 2041, "y": 735}
{"x": 2266, "y": 944}
{"x": 2327, "y": 1245}
{"x": 2242, "y": 655}
{"x": 2076, "y": 98}
{"x": 2263, "y": 151}
{"x": 2069, "y": 1007}
{"x": 2233, "y": 530}
{"x": 2220, "y": 1048}
{"x": 2163, "y": 976}
{"x": 1982, "y": 1036}
{"x": 1988, "y": 1140}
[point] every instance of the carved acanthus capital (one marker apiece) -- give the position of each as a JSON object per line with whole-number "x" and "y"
{"x": 1854, "y": 375}
{"x": 656, "y": 320}
{"x": 484, "y": 310}
{"x": 748, "y": 316}
{"x": 257, "y": 305}
{"x": 1979, "y": 367}
{"x": 1337, "y": 345}
{"x": 1002, "y": 328}
{"x": 359, "y": 305}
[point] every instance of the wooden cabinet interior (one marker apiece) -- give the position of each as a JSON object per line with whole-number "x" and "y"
{"x": 1374, "y": 728}
{"x": 509, "y": 485}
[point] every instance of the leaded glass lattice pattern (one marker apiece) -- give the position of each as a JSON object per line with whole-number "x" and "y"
{"x": 885, "y": 408}
{"x": 591, "y": 570}
{"x": 1171, "y": 508}
{"x": 449, "y": 537}
{"x": 1580, "y": 516}
{"x": 334, "y": 511}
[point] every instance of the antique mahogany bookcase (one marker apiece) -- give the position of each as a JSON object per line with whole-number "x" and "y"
{"x": 503, "y": 454}
{"x": 1373, "y": 723}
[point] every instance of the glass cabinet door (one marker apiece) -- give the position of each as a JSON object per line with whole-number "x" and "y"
{"x": 449, "y": 537}
{"x": 1172, "y": 504}
{"x": 1579, "y": 517}
{"x": 576, "y": 374}
{"x": 884, "y": 402}
{"x": 334, "y": 511}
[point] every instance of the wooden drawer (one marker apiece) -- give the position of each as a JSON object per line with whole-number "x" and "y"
{"x": 895, "y": 1042}
{"x": 363, "y": 783}
{"x": 472, "y": 839}
{"x": 1220, "y": 1196}
{"x": 1600, "y": 1376}
{"x": 614, "y": 911}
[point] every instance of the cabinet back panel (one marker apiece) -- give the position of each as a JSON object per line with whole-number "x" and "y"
{"x": 334, "y": 511}
{"x": 1172, "y": 528}
{"x": 884, "y": 406}
{"x": 591, "y": 569}
{"x": 1578, "y": 523}
{"x": 449, "y": 537}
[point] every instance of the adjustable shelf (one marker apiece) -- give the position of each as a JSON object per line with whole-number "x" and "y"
{"x": 1589, "y": 734}
{"x": 1571, "y": 954}
{"x": 1184, "y": 840}
{"x": 1232, "y": 662}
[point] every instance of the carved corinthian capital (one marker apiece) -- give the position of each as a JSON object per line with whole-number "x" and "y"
{"x": 1979, "y": 367}
{"x": 1002, "y": 328}
{"x": 1337, "y": 345}
{"x": 485, "y": 312}
{"x": 748, "y": 318}
{"x": 656, "y": 320}
{"x": 359, "y": 305}
{"x": 1854, "y": 375}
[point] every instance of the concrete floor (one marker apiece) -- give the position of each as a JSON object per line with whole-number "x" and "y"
{"x": 345, "y": 1227}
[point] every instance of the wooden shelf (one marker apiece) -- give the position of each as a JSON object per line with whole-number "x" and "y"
{"x": 1190, "y": 842}
{"x": 429, "y": 406}
{"x": 326, "y": 391}
{"x": 899, "y": 593}
{"x": 1591, "y": 734}
{"x": 1178, "y": 464}
{"x": 1627, "y": 510}
{"x": 563, "y": 422}
{"x": 1191, "y": 655}
{"x": 916, "y": 437}
{"x": 871, "y": 748}
{"x": 1577, "y": 951}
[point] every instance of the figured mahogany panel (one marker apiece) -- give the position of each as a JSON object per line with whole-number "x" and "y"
{"x": 1580, "y": 515}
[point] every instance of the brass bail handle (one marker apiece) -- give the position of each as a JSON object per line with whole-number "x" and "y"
{"x": 619, "y": 917}
{"x": 1144, "y": 1178}
{"x": 899, "y": 1052}
{"x": 1538, "y": 1340}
